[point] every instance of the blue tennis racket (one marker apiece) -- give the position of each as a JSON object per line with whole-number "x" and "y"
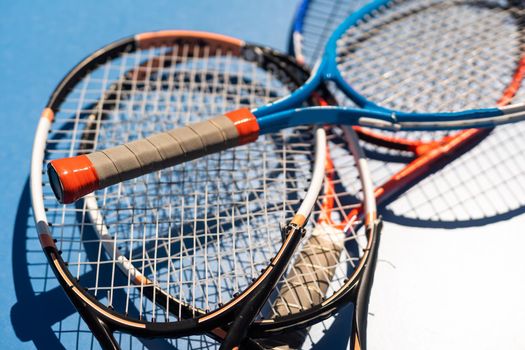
{"x": 359, "y": 36}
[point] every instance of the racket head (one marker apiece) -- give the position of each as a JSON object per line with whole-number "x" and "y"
{"x": 428, "y": 36}
{"x": 122, "y": 91}
{"x": 95, "y": 211}
{"x": 368, "y": 20}
{"x": 389, "y": 153}
{"x": 444, "y": 197}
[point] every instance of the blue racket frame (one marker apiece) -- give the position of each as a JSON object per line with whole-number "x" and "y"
{"x": 286, "y": 112}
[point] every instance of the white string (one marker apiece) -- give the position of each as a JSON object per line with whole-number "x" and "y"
{"x": 239, "y": 196}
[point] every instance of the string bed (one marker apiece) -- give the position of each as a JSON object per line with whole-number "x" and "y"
{"x": 434, "y": 55}
{"x": 200, "y": 232}
{"x": 444, "y": 55}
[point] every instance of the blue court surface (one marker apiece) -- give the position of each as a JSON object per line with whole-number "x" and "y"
{"x": 443, "y": 281}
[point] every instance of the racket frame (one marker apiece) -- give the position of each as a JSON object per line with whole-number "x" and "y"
{"x": 286, "y": 113}
{"x": 102, "y": 320}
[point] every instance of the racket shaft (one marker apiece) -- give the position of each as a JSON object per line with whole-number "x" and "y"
{"x": 72, "y": 178}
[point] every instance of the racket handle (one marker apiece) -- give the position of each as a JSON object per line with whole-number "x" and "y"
{"x": 314, "y": 269}
{"x": 307, "y": 283}
{"x": 73, "y": 178}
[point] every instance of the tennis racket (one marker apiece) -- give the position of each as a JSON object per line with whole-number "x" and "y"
{"x": 482, "y": 184}
{"x": 75, "y": 177}
{"x": 401, "y": 159}
{"x": 178, "y": 252}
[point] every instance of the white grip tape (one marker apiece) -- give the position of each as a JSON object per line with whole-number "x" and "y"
{"x": 163, "y": 150}
{"x": 309, "y": 280}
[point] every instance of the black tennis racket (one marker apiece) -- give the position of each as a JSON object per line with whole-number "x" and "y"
{"x": 179, "y": 251}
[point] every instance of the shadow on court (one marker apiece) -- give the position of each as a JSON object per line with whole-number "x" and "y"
{"x": 438, "y": 198}
{"x": 43, "y": 314}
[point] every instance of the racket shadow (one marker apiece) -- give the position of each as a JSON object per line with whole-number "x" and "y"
{"x": 43, "y": 315}
{"x": 464, "y": 189}
{"x": 389, "y": 215}
{"x": 337, "y": 334}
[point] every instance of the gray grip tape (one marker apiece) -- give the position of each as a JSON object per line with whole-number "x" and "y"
{"x": 308, "y": 281}
{"x": 106, "y": 170}
{"x": 163, "y": 150}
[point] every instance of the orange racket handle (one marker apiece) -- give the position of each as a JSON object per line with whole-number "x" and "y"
{"x": 73, "y": 178}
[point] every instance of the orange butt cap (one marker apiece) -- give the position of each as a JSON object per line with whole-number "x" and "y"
{"x": 72, "y": 178}
{"x": 246, "y": 124}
